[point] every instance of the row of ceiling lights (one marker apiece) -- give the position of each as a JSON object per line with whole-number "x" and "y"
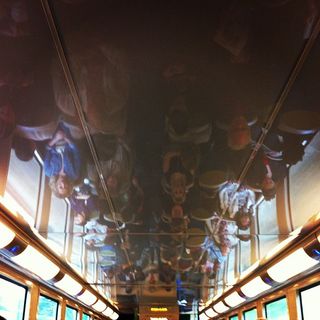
{"x": 28, "y": 257}
{"x": 298, "y": 261}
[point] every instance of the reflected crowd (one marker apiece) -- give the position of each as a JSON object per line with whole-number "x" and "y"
{"x": 172, "y": 174}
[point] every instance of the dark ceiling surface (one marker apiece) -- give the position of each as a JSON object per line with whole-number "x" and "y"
{"x": 175, "y": 95}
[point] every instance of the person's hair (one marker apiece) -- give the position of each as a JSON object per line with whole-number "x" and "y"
{"x": 238, "y": 217}
{"x": 270, "y": 193}
{"x": 24, "y": 148}
{"x": 54, "y": 188}
{"x": 179, "y": 121}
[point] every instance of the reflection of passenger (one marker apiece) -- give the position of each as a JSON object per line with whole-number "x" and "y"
{"x": 14, "y": 22}
{"x": 116, "y": 167}
{"x": 96, "y": 234}
{"x": 265, "y": 174}
{"x": 178, "y": 175}
{"x": 84, "y": 204}
{"x": 62, "y": 163}
{"x": 103, "y": 82}
{"x": 233, "y": 197}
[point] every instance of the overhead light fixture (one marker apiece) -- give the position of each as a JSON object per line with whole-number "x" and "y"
{"x": 220, "y": 307}
{"x": 108, "y": 312}
{"x": 88, "y": 298}
{"x": 6, "y": 235}
{"x": 99, "y": 306}
{"x": 69, "y": 285}
{"x": 292, "y": 265}
{"x": 203, "y": 316}
{"x": 114, "y": 316}
{"x": 234, "y": 299}
{"x": 254, "y": 287}
{"x": 34, "y": 261}
{"x": 210, "y": 313}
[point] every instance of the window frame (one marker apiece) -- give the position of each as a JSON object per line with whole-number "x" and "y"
{"x": 247, "y": 310}
{"x": 300, "y": 297}
{"x": 25, "y": 294}
{"x": 275, "y": 300}
{"x": 73, "y": 308}
{"x": 52, "y": 299}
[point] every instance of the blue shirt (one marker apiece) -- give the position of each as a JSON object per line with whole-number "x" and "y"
{"x": 71, "y": 162}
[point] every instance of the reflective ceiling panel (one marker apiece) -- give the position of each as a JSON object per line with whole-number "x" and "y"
{"x": 143, "y": 185}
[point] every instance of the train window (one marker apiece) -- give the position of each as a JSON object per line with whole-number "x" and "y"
{"x": 235, "y": 317}
{"x": 47, "y": 308}
{"x": 23, "y": 184}
{"x": 12, "y": 299}
{"x": 57, "y": 221}
{"x": 71, "y": 313}
{"x": 309, "y": 300}
{"x": 304, "y": 177}
{"x": 250, "y": 314}
{"x": 85, "y": 316}
{"x": 277, "y": 309}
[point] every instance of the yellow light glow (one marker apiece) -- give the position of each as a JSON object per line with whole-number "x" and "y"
{"x": 210, "y": 313}
{"x": 254, "y": 287}
{"x": 201, "y": 308}
{"x": 69, "y": 285}
{"x": 6, "y": 235}
{"x": 159, "y": 309}
{"x": 10, "y": 204}
{"x": 220, "y": 307}
{"x": 99, "y": 306}
{"x": 203, "y": 316}
{"x": 34, "y": 261}
{"x": 88, "y": 298}
{"x": 295, "y": 263}
{"x": 114, "y": 316}
{"x": 108, "y": 312}
{"x": 234, "y": 299}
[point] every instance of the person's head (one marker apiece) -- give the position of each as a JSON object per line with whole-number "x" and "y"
{"x": 7, "y": 120}
{"x": 243, "y": 220}
{"x": 24, "y": 148}
{"x": 177, "y": 211}
{"x": 178, "y": 187}
{"x": 268, "y": 188}
{"x": 113, "y": 184}
{"x": 61, "y": 186}
{"x": 80, "y": 219}
{"x": 239, "y": 134}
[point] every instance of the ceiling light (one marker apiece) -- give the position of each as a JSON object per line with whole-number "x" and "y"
{"x": 203, "y": 316}
{"x": 234, "y": 299}
{"x": 99, "y": 306}
{"x": 69, "y": 285}
{"x": 210, "y": 313}
{"x": 88, "y": 298}
{"x": 254, "y": 287}
{"x": 293, "y": 264}
{"x": 34, "y": 261}
{"x": 114, "y": 316}
{"x": 6, "y": 235}
{"x": 108, "y": 312}
{"x": 220, "y": 307}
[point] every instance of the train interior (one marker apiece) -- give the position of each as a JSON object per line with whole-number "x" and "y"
{"x": 161, "y": 149}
